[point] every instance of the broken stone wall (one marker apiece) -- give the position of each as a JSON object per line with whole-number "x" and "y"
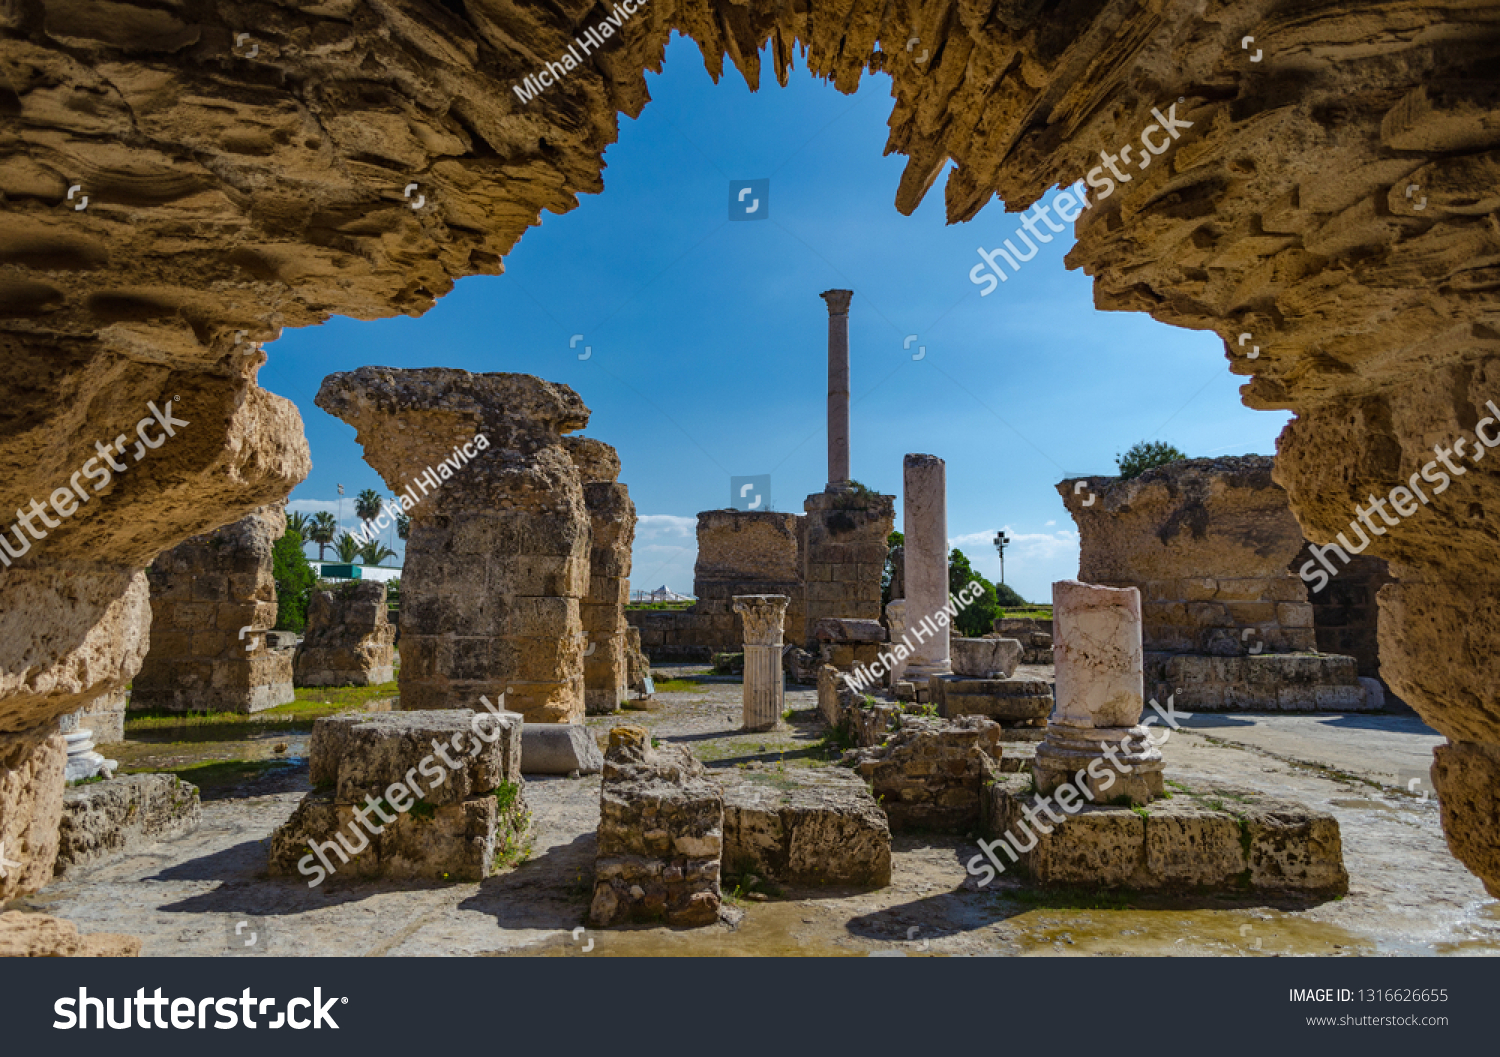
{"x": 745, "y": 552}
{"x": 1208, "y": 543}
{"x": 844, "y": 557}
{"x": 497, "y": 559}
{"x": 606, "y": 676}
{"x": 213, "y": 597}
{"x": 349, "y": 641}
{"x": 1346, "y": 610}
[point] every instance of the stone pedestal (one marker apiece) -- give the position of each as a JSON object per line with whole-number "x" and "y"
{"x": 349, "y": 640}
{"x": 895, "y": 619}
{"x": 606, "y": 680}
{"x": 213, "y": 597}
{"x": 762, "y": 615}
{"x": 925, "y": 525}
{"x": 1093, "y": 738}
{"x": 497, "y": 560}
{"x": 838, "y": 384}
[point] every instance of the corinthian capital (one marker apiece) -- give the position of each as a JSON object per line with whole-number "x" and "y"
{"x": 838, "y": 301}
{"x": 763, "y": 616}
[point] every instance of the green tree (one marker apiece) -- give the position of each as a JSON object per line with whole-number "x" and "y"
{"x": 297, "y": 522}
{"x": 323, "y": 528}
{"x": 1144, "y": 455}
{"x": 294, "y": 580}
{"x": 894, "y": 540}
{"x": 347, "y": 548}
{"x": 375, "y": 552}
{"x": 403, "y": 525}
{"x": 367, "y": 504}
{"x": 978, "y": 617}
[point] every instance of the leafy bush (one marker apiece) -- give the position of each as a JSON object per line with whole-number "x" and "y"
{"x": 294, "y": 580}
{"x": 894, "y": 540}
{"x": 1144, "y": 455}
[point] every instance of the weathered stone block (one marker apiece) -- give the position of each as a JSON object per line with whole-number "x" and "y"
{"x": 108, "y": 819}
{"x": 363, "y": 754}
{"x": 805, "y": 826}
{"x": 559, "y": 748}
{"x": 929, "y": 773}
{"x": 1007, "y": 701}
{"x": 835, "y": 629}
{"x": 349, "y": 640}
{"x": 27, "y": 935}
{"x": 985, "y": 658}
{"x": 660, "y": 839}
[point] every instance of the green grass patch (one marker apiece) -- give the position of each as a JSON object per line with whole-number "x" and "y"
{"x": 217, "y": 775}
{"x": 678, "y": 685}
{"x": 312, "y": 702}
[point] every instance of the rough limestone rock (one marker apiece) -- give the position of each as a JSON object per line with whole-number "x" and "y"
{"x": 805, "y": 826}
{"x": 213, "y": 598}
{"x": 361, "y": 754}
{"x": 1019, "y": 705}
{"x": 497, "y": 555}
{"x": 929, "y": 773}
{"x": 559, "y": 748}
{"x": 349, "y": 640}
{"x": 836, "y": 629}
{"x": 1224, "y": 839}
{"x": 27, "y": 935}
{"x": 31, "y": 804}
{"x": 986, "y": 658}
{"x": 1327, "y": 211}
{"x": 606, "y": 676}
{"x": 661, "y": 835}
{"x": 469, "y": 816}
{"x": 109, "y": 819}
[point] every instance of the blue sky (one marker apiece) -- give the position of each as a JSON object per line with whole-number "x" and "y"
{"x": 707, "y": 338}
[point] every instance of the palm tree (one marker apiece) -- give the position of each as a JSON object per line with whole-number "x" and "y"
{"x": 321, "y": 530}
{"x": 297, "y": 522}
{"x": 367, "y": 505}
{"x": 403, "y": 525}
{"x": 375, "y": 552}
{"x": 348, "y": 549}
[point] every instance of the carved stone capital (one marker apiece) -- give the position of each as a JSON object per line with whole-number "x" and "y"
{"x": 838, "y": 301}
{"x": 763, "y": 616}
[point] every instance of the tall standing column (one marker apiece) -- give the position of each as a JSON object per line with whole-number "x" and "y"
{"x": 924, "y": 519}
{"x": 838, "y": 384}
{"x": 762, "y": 616}
{"x": 1100, "y": 695}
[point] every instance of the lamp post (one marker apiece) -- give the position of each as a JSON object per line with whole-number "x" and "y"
{"x": 1001, "y": 539}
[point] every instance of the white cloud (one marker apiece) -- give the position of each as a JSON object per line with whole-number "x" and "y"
{"x": 1049, "y": 524}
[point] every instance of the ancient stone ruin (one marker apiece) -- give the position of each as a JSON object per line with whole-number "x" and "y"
{"x": 1283, "y": 219}
{"x": 763, "y": 688}
{"x": 349, "y": 639}
{"x": 426, "y": 795}
{"x": 606, "y": 677}
{"x": 213, "y": 598}
{"x": 1210, "y": 543}
{"x": 497, "y": 556}
{"x": 661, "y": 835}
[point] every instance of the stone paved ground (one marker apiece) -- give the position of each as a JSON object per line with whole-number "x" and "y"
{"x": 1407, "y": 893}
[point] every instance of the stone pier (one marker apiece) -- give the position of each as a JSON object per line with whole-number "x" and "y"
{"x": 838, "y": 384}
{"x": 213, "y": 597}
{"x": 606, "y": 680}
{"x": 497, "y": 560}
{"x": 1094, "y": 739}
{"x": 925, "y": 525}
{"x": 843, "y": 557}
{"x": 349, "y": 639}
{"x": 764, "y": 688}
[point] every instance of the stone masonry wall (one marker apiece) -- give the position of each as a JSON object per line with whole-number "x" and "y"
{"x": 611, "y": 532}
{"x": 204, "y": 592}
{"x": 497, "y": 555}
{"x": 844, "y": 557}
{"x": 349, "y": 639}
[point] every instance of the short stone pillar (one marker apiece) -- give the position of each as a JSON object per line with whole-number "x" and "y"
{"x": 212, "y": 598}
{"x": 349, "y": 640}
{"x": 1093, "y": 738}
{"x": 895, "y": 619}
{"x": 925, "y": 524}
{"x": 764, "y": 686}
{"x": 497, "y": 556}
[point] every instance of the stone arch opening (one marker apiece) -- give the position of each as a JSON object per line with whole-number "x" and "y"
{"x": 177, "y": 187}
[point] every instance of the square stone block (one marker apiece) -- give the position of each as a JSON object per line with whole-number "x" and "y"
{"x": 364, "y": 754}
{"x": 805, "y": 826}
